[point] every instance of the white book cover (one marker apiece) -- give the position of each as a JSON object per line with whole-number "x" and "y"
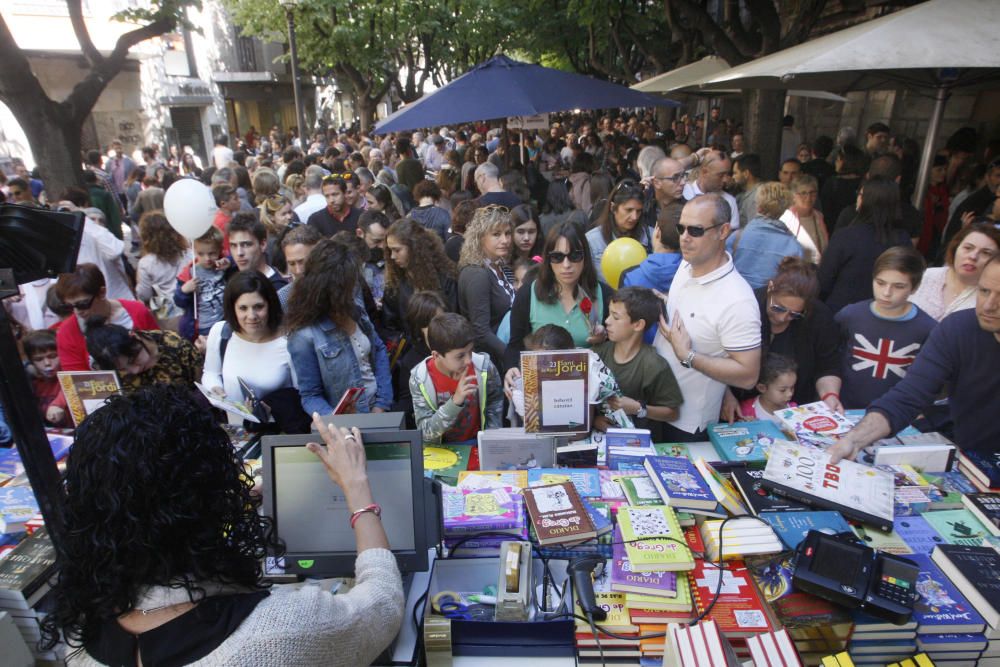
{"x": 815, "y": 423}
{"x": 806, "y": 472}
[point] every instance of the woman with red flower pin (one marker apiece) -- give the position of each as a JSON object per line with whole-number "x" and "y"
{"x": 566, "y": 293}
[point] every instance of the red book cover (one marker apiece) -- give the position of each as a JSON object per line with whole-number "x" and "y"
{"x": 693, "y": 537}
{"x": 740, "y": 609}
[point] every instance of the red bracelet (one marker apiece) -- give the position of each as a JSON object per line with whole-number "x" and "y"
{"x": 374, "y": 508}
{"x": 830, "y": 393}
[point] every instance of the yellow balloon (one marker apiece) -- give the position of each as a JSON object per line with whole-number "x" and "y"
{"x": 620, "y": 255}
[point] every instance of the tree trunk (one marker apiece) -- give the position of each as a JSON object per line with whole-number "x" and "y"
{"x": 366, "y": 111}
{"x": 762, "y": 114}
{"x": 54, "y": 137}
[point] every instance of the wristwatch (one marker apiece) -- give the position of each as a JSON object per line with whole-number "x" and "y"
{"x": 642, "y": 411}
{"x": 688, "y": 361}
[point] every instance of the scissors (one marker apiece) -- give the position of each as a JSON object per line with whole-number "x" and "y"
{"x": 455, "y": 609}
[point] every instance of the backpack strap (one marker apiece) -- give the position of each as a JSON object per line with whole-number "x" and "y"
{"x": 227, "y": 333}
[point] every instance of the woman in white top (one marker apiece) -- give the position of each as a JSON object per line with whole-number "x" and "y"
{"x": 804, "y": 220}
{"x": 952, "y": 287}
{"x": 164, "y": 254}
{"x": 247, "y": 345}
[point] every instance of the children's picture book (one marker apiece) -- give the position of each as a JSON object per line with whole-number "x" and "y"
{"x": 17, "y": 506}
{"x": 11, "y": 465}
{"x": 600, "y": 515}
{"x": 518, "y": 479}
{"x": 745, "y": 441}
{"x": 887, "y": 541}
{"x": 611, "y": 488}
{"x": 940, "y": 607}
{"x": 472, "y": 511}
{"x": 739, "y": 610}
{"x": 758, "y": 499}
{"x": 805, "y": 474}
{"x": 986, "y": 508}
{"x": 624, "y": 579}
{"x": 240, "y": 408}
{"x": 445, "y": 461}
{"x": 723, "y": 490}
{"x": 815, "y": 423}
{"x": 87, "y": 391}
{"x": 557, "y": 514}
{"x": 628, "y": 437}
{"x": 586, "y": 480}
{"x": 628, "y": 458}
{"x": 792, "y": 527}
{"x": 958, "y": 527}
{"x": 653, "y": 539}
{"x": 640, "y": 491}
{"x": 672, "y": 449}
{"x": 556, "y": 395}
{"x": 514, "y": 449}
{"x": 679, "y": 483}
{"x": 947, "y": 488}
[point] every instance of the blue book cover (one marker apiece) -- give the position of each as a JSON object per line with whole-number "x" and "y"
{"x": 745, "y": 441}
{"x": 10, "y": 458}
{"x": 586, "y": 480}
{"x": 988, "y": 463}
{"x": 679, "y": 482}
{"x": 940, "y": 607}
{"x": 792, "y": 527}
{"x": 628, "y": 437}
{"x": 952, "y": 642}
{"x": 17, "y": 505}
{"x": 628, "y": 458}
{"x": 600, "y": 515}
{"x": 917, "y": 533}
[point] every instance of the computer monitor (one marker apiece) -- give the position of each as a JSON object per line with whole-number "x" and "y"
{"x": 311, "y": 514}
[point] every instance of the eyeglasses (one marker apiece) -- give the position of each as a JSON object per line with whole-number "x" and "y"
{"x": 781, "y": 310}
{"x": 575, "y": 257}
{"x": 676, "y": 178}
{"x": 696, "y": 232}
{"x": 495, "y": 207}
{"x": 82, "y": 305}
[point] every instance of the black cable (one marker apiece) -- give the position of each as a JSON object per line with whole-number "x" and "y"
{"x": 593, "y": 629}
{"x": 603, "y": 631}
{"x": 719, "y": 565}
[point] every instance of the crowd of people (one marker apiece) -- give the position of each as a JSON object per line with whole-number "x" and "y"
{"x": 417, "y": 267}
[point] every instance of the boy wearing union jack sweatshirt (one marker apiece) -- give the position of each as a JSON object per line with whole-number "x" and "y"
{"x": 882, "y": 336}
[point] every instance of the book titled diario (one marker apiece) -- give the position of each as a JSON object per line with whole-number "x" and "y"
{"x": 557, "y": 514}
{"x": 556, "y": 392}
{"x": 805, "y": 474}
{"x": 653, "y": 539}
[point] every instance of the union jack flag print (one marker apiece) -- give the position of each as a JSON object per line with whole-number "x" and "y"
{"x": 882, "y": 358}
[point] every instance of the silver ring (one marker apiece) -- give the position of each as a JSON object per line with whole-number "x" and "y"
{"x": 349, "y": 437}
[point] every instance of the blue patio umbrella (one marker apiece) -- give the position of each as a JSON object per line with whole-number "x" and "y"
{"x": 502, "y": 87}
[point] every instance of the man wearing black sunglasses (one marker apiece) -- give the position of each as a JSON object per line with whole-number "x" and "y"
{"x": 712, "y": 339}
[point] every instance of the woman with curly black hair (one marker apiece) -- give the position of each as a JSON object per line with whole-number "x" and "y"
{"x": 163, "y": 550}
{"x": 416, "y": 261}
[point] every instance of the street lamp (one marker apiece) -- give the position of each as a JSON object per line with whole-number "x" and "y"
{"x": 290, "y": 6}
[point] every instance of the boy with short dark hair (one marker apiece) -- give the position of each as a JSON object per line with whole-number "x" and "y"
{"x": 40, "y": 348}
{"x": 650, "y": 392}
{"x": 456, "y": 392}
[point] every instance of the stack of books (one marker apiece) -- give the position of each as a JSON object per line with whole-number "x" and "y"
{"x": 467, "y": 511}
{"x": 24, "y": 580}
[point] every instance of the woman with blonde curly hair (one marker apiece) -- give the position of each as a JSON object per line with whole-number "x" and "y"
{"x": 416, "y": 261}
{"x": 295, "y": 185}
{"x": 765, "y": 241}
{"x": 481, "y": 266}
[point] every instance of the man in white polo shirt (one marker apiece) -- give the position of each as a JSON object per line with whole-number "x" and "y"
{"x": 714, "y": 173}
{"x": 713, "y": 336}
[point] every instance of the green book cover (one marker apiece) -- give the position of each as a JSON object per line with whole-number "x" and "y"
{"x": 654, "y": 540}
{"x": 889, "y": 542}
{"x": 672, "y": 449}
{"x": 640, "y": 491}
{"x": 957, "y": 527}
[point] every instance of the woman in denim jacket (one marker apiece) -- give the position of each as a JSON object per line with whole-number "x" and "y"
{"x": 758, "y": 248}
{"x": 333, "y": 344}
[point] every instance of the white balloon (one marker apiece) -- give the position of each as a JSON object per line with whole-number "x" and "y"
{"x": 190, "y": 207}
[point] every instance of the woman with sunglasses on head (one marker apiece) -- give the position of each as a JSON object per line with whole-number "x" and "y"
{"x": 619, "y": 218}
{"x": 86, "y": 293}
{"x": 566, "y": 292}
{"x": 142, "y": 358}
{"x": 796, "y": 324}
